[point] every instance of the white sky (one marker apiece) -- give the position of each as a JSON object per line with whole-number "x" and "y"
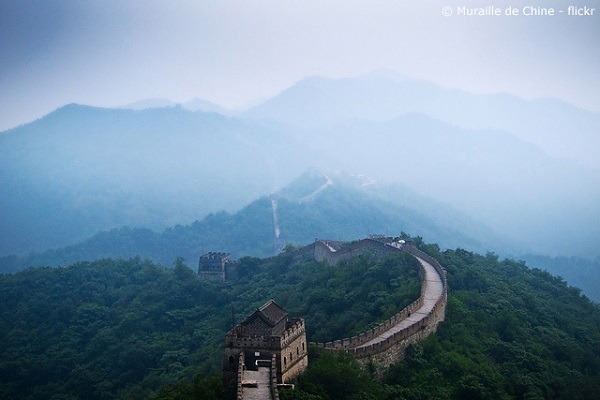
{"x": 109, "y": 53}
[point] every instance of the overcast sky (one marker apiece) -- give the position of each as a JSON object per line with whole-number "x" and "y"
{"x": 109, "y": 53}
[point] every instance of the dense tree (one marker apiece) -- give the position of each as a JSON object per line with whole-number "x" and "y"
{"x": 124, "y": 328}
{"x": 131, "y": 329}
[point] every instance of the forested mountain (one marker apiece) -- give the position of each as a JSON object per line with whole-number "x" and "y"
{"x": 558, "y": 128}
{"x": 81, "y": 170}
{"x": 124, "y": 329}
{"x": 546, "y": 204}
{"x": 527, "y": 169}
{"x": 578, "y": 272}
{"x": 312, "y": 206}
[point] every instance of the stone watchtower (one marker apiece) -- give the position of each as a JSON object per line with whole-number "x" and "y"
{"x": 212, "y": 266}
{"x": 267, "y": 334}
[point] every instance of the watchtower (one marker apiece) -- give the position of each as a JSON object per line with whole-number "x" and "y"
{"x": 212, "y": 266}
{"x": 268, "y": 333}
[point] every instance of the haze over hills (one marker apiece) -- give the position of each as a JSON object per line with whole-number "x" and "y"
{"x": 528, "y": 169}
{"x": 344, "y": 209}
{"x": 195, "y": 104}
{"x": 314, "y": 205}
{"x": 496, "y": 178}
{"x": 81, "y": 169}
{"x": 144, "y": 145}
{"x": 560, "y": 129}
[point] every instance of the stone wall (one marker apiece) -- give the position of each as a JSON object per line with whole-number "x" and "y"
{"x": 253, "y": 342}
{"x": 289, "y": 353}
{"x": 273, "y": 388}
{"x": 215, "y": 276}
{"x": 394, "y": 351}
{"x": 373, "y": 247}
{"x": 366, "y": 336}
{"x": 295, "y": 368}
{"x": 387, "y": 352}
{"x": 293, "y": 358}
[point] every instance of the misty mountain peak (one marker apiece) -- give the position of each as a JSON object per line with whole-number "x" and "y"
{"x": 306, "y": 186}
{"x": 149, "y": 103}
{"x": 318, "y": 102}
{"x": 314, "y": 182}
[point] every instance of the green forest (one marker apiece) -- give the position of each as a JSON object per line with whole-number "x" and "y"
{"x": 132, "y": 329}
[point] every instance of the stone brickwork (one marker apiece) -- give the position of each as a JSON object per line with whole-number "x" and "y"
{"x": 294, "y": 351}
{"x": 274, "y": 389}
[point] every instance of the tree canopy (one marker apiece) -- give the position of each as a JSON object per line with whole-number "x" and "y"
{"x": 113, "y": 329}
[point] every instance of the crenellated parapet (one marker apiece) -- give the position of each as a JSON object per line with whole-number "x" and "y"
{"x": 294, "y": 330}
{"x": 240, "y": 378}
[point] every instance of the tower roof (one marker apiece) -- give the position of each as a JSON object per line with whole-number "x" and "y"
{"x": 268, "y": 320}
{"x": 273, "y": 312}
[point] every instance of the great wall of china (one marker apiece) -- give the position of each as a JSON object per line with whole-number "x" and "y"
{"x": 377, "y": 348}
{"x": 385, "y": 344}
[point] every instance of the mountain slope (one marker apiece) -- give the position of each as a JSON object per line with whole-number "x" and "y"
{"x": 83, "y": 169}
{"x": 349, "y": 207}
{"x": 579, "y": 272}
{"x": 343, "y": 209}
{"x": 560, "y": 129}
{"x": 195, "y": 104}
{"x": 527, "y": 169}
{"x": 548, "y": 204}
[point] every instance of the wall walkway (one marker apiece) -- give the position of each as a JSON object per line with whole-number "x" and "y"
{"x": 259, "y": 384}
{"x": 385, "y": 344}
